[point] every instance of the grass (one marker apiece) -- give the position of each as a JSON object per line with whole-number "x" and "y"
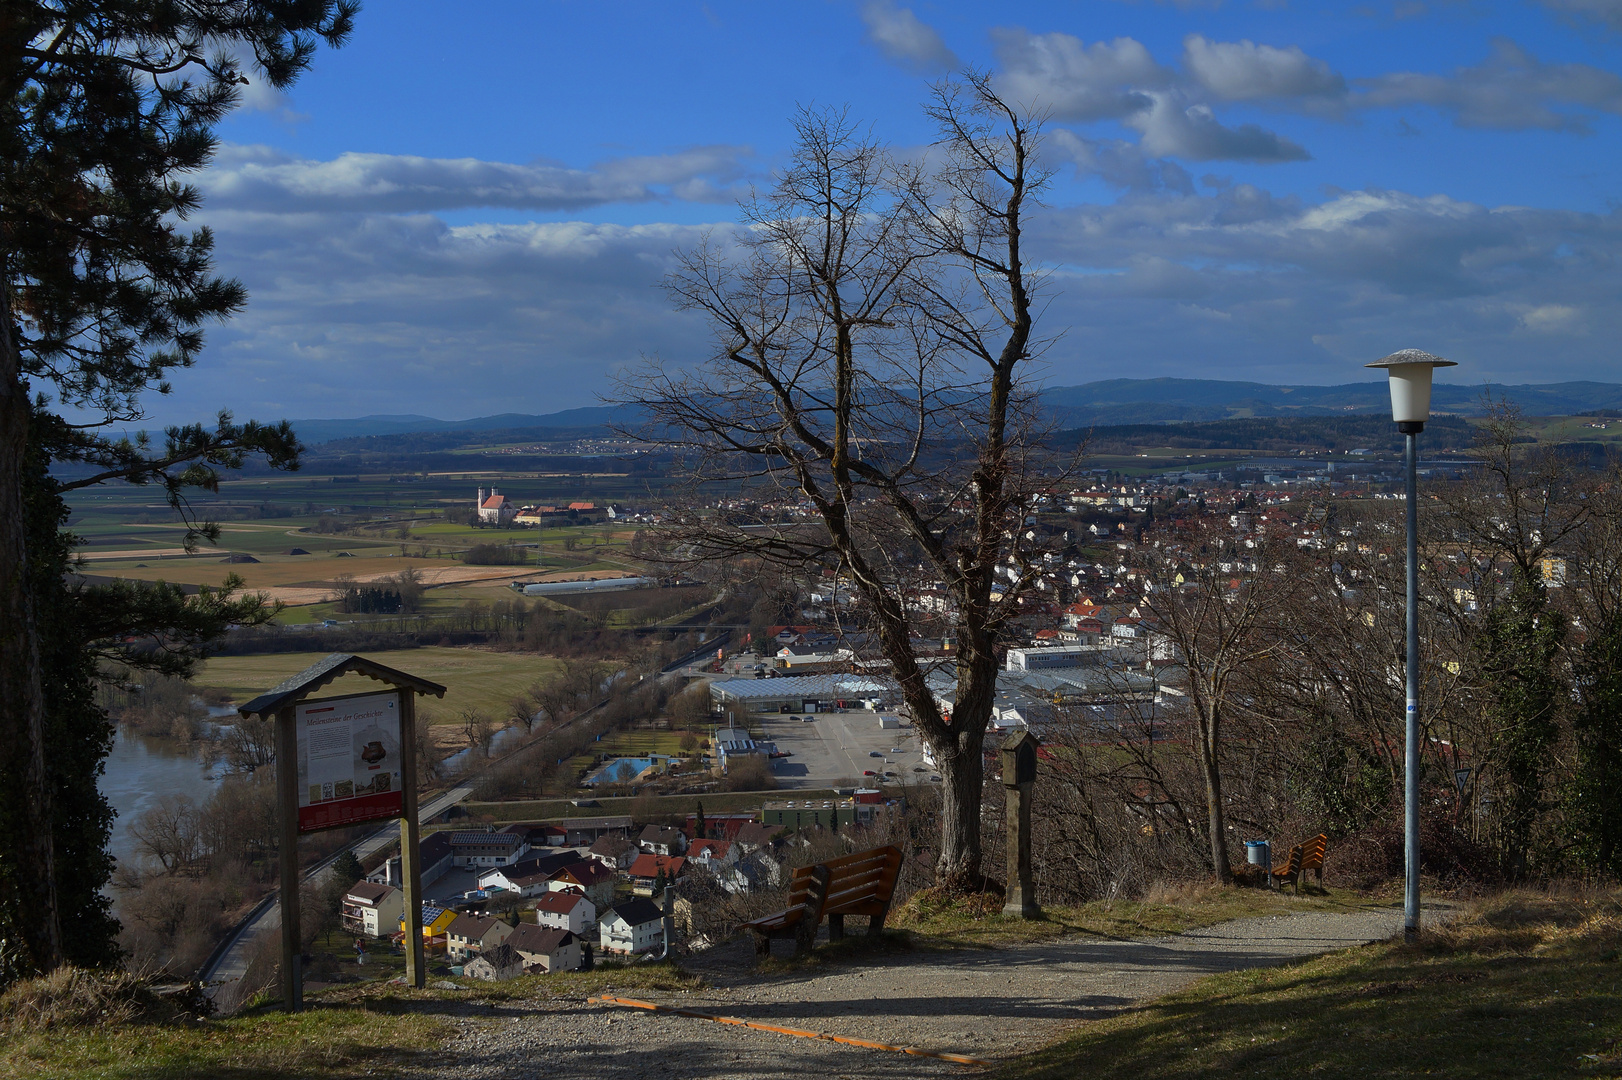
{"x": 979, "y": 922}
{"x": 1526, "y": 986}
{"x": 474, "y": 678}
{"x": 344, "y": 1032}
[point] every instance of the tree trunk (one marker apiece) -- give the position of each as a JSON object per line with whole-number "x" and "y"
{"x": 1216, "y": 819}
{"x": 957, "y": 869}
{"x": 27, "y": 873}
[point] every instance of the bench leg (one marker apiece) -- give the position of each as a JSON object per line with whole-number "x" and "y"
{"x": 763, "y": 944}
{"x": 836, "y": 928}
{"x": 805, "y": 936}
{"x": 875, "y": 924}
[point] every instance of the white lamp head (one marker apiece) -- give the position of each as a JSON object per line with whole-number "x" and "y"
{"x": 1410, "y": 371}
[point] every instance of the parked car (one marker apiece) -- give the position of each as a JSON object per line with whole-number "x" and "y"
{"x": 898, "y": 749}
{"x": 870, "y": 772}
{"x": 875, "y": 753}
{"x": 796, "y": 719}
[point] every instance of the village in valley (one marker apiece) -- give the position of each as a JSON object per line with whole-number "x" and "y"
{"x": 863, "y": 540}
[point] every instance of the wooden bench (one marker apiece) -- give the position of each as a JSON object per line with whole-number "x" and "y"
{"x": 859, "y": 884}
{"x": 1307, "y": 855}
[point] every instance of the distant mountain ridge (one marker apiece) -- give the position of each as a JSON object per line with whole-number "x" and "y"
{"x": 1107, "y": 402}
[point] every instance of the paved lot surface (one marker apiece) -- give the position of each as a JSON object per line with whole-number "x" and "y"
{"x": 988, "y": 1004}
{"x": 835, "y": 747}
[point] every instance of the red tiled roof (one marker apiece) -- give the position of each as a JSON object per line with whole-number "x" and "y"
{"x": 648, "y": 866}
{"x": 717, "y": 849}
{"x": 559, "y": 903}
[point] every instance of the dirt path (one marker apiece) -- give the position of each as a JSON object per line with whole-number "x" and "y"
{"x": 988, "y": 1004}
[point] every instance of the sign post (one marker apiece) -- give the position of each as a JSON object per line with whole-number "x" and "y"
{"x": 1019, "y": 785}
{"x": 340, "y": 762}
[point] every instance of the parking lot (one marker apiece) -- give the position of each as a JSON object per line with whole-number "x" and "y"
{"x": 835, "y": 747}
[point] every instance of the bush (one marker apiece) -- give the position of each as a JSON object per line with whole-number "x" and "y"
{"x": 495, "y": 555}
{"x": 1375, "y": 855}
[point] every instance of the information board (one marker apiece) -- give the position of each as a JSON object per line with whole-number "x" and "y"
{"x": 348, "y": 761}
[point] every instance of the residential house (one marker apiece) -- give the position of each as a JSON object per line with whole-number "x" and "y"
{"x": 543, "y": 867}
{"x": 711, "y": 854}
{"x": 649, "y": 869}
{"x": 756, "y": 835}
{"x": 546, "y": 948}
{"x": 752, "y": 872}
{"x": 615, "y": 852}
{"x": 527, "y": 885}
{"x": 435, "y": 922}
{"x": 660, "y": 840}
{"x": 469, "y": 935}
{"x": 566, "y": 910}
{"x": 591, "y": 878}
{"x": 632, "y": 926}
{"x": 495, "y": 965}
{"x": 372, "y": 909}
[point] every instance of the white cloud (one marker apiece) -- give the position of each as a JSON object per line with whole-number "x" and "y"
{"x": 1552, "y": 319}
{"x": 1509, "y": 90}
{"x": 1172, "y": 128}
{"x": 1314, "y": 289}
{"x": 906, "y": 39}
{"x": 1077, "y": 81}
{"x": 1245, "y": 71}
{"x": 356, "y": 313}
{"x": 259, "y": 178}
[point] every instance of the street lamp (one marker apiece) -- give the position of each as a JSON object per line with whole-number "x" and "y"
{"x": 1410, "y": 373}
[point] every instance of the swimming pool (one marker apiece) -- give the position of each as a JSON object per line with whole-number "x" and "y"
{"x": 620, "y": 770}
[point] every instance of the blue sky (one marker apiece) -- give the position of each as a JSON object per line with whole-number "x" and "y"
{"x": 469, "y": 215}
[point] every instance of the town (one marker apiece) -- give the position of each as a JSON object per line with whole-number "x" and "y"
{"x": 868, "y": 540}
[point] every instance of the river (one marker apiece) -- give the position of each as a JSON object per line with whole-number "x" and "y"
{"x": 140, "y": 771}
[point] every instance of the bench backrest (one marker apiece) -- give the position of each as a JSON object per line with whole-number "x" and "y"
{"x": 862, "y": 879}
{"x": 1291, "y": 865}
{"x": 1312, "y": 852}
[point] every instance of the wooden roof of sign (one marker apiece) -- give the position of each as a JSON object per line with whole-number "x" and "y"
{"x": 295, "y": 689}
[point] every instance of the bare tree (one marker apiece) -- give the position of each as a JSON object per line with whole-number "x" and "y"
{"x": 248, "y": 744}
{"x": 170, "y": 833}
{"x": 1225, "y": 626}
{"x": 479, "y": 729}
{"x": 874, "y": 329}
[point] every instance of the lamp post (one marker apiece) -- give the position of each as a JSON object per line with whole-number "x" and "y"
{"x": 1410, "y": 372}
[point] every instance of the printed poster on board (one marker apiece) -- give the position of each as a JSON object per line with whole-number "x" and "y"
{"x": 348, "y": 761}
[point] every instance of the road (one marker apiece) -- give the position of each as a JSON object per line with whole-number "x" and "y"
{"x": 230, "y": 963}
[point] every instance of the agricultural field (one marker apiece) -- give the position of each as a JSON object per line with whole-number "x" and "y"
{"x": 294, "y": 536}
{"x": 474, "y": 678}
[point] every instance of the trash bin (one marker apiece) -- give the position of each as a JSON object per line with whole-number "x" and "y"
{"x": 1259, "y": 853}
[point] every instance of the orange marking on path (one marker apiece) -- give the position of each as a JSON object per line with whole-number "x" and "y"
{"x": 797, "y": 1033}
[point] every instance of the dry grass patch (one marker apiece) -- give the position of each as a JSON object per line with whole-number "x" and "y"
{"x": 1526, "y": 985}
{"x": 1167, "y": 909}
{"x": 95, "y": 1032}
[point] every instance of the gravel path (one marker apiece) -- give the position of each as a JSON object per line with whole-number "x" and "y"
{"x": 990, "y": 1004}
